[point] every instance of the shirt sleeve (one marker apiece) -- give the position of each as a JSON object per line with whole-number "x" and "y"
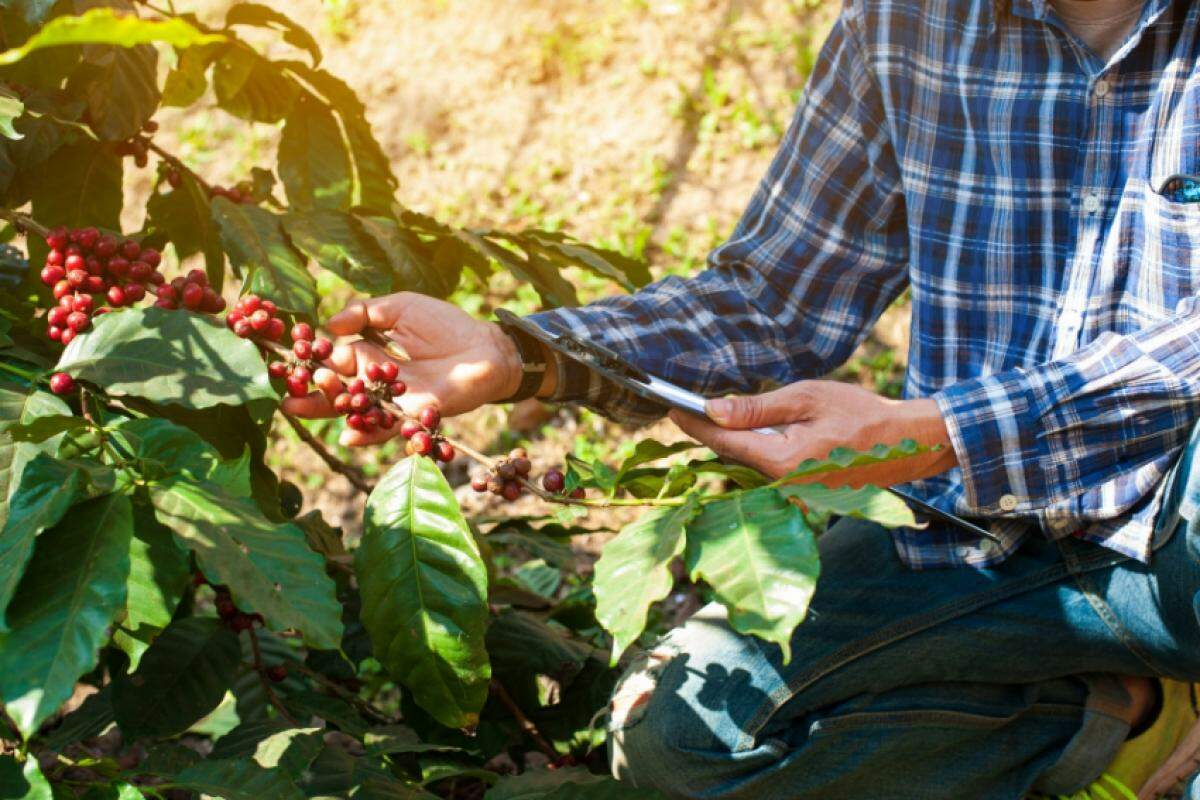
{"x": 1029, "y": 439}
{"x": 819, "y": 254}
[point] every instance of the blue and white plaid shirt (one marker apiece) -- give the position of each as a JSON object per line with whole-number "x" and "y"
{"x": 982, "y": 156}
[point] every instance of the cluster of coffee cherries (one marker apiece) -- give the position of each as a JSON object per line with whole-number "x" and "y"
{"x": 423, "y": 437}
{"x": 237, "y": 620}
{"x": 362, "y": 399}
{"x": 84, "y": 264}
{"x": 555, "y": 482}
{"x": 297, "y": 369}
{"x": 192, "y": 292}
{"x": 243, "y": 192}
{"x": 254, "y": 317}
{"x": 504, "y": 478}
{"x": 138, "y": 146}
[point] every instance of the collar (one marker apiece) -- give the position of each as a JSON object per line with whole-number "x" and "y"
{"x": 1040, "y": 9}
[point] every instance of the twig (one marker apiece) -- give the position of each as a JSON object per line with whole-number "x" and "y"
{"x": 266, "y": 684}
{"x": 178, "y": 164}
{"x": 24, "y": 222}
{"x": 347, "y": 471}
{"x": 344, "y": 693}
{"x": 523, "y": 721}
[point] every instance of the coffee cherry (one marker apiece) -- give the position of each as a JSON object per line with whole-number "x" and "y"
{"x": 303, "y": 349}
{"x": 134, "y": 292}
{"x": 150, "y": 126}
{"x": 118, "y": 267}
{"x": 260, "y": 320}
{"x": 61, "y": 289}
{"x": 430, "y": 417}
{"x": 360, "y": 402}
{"x": 242, "y": 328}
{"x": 106, "y": 246}
{"x": 167, "y": 293}
{"x": 302, "y": 331}
{"x": 277, "y": 369}
{"x": 374, "y": 372}
{"x": 387, "y": 420}
{"x": 356, "y": 386}
{"x": 578, "y": 493}
{"x": 131, "y": 249}
{"x": 193, "y": 296}
{"x": 116, "y": 296}
{"x": 322, "y": 349}
{"x": 522, "y": 465}
{"x": 77, "y": 278}
{"x": 410, "y": 428}
{"x": 512, "y": 491}
{"x": 443, "y": 451}
{"x": 62, "y": 383}
{"x": 140, "y": 271}
{"x": 78, "y": 321}
{"x": 52, "y": 274}
{"x": 195, "y": 275}
{"x": 297, "y": 387}
{"x": 277, "y": 673}
{"x": 88, "y": 237}
{"x": 57, "y": 238}
{"x": 94, "y": 284}
{"x": 67, "y": 336}
{"x": 57, "y": 316}
{"x": 154, "y": 258}
{"x": 249, "y": 304}
{"x": 270, "y": 307}
{"x": 174, "y": 178}
{"x": 390, "y": 370}
{"x": 506, "y": 470}
{"x": 373, "y": 418}
{"x": 274, "y": 330}
{"x": 342, "y": 403}
{"x": 479, "y": 482}
{"x": 355, "y": 422}
{"x": 553, "y": 481}
{"x": 398, "y": 388}
{"x": 213, "y": 303}
{"x": 54, "y": 332}
{"x": 241, "y": 622}
{"x": 422, "y": 443}
{"x": 226, "y": 610}
{"x": 301, "y": 372}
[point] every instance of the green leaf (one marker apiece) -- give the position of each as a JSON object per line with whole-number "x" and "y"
{"x": 414, "y": 271}
{"x": 268, "y": 567}
{"x": 237, "y": 779}
{"x": 20, "y": 405}
{"x": 630, "y": 273}
{"x": 23, "y": 781}
{"x": 648, "y": 450}
{"x": 387, "y": 740}
{"x": 187, "y": 82}
{"x": 121, "y": 88}
{"x": 845, "y": 458}
{"x": 314, "y": 163}
{"x": 633, "y": 571}
{"x": 181, "y": 679}
{"x": 91, "y": 719}
{"x": 521, "y": 644}
{"x": 158, "y": 576}
{"x": 164, "y": 449}
{"x": 73, "y": 588}
{"x": 744, "y": 477}
{"x": 869, "y": 502}
{"x": 108, "y": 26}
{"x": 184, "y": 216}
{"x": 264, "y": 17}
{"x": 332, "y": 710}
{"x": 760, "y": 558}
{"x": 251, "y": 87}
{"x": 424, "y": 592}
{"x": 84, "y": 188}
{"x": 43, "y": 428}
{"x": 334, "y": 240}
{"x": 169, "y": 357}
{"x": 291, "y": 750}
{"x": 380, "y": 788}
{"x": 47, "y": 490}
{"x": 257, "y": 246}
{"x": 375, "y": 186}
{"x": 11, "y": 108}
{"x": 571, "y": 783}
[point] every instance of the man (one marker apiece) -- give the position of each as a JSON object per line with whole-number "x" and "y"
{"x": 1011, "y": 164}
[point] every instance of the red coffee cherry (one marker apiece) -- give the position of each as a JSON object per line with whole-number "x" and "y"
{"x": 443, "y": 451}
{"x": 131, "y": 249}
{"x": 553, "y": 481}
{"x": 302, "y": 331}
{"x": 322, "y": 349}
{"x": 274, "y": 330}
{"x": 390, "y": 371}
{"x": 62, "y": 383}
{"x": 512, "y": 491}
{"x": 343, "y": 403}
{"x": 479, "y": 482}
{"x": 303, "y": 349}
{"x": 422, "y": 443}
{"x": 52, "y": 274}
{"x": 277, "y": 369}
{"x": 277, "y": 673}
{"x": 374, "y": 372}
{"x": 57, "y": 238}
{"x": 410, "y": 428}
{"x": 106, "y": 246}
{"x": 297, "y": 387}
{"x": 430, "y": 417}
{"x": 398, "y": 388}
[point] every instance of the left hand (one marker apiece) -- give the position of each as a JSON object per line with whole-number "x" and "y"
{"x": 815, "y": 417}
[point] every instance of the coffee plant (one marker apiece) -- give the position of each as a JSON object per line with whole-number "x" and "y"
{"x": 170, "y": 624}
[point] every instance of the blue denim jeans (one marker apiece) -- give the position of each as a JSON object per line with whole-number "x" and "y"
{"x": 960, "y": 684}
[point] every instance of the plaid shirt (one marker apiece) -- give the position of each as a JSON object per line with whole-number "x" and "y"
{"x": 981, "y": 155}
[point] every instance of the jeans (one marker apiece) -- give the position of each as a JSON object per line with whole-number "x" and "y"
{"x": 961, "y": 684}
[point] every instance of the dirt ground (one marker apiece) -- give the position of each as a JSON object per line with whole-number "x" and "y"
{"x": 637, "y": 124}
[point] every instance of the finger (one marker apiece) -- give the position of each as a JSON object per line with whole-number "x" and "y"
{"x": 742, "y": 446}
{"x": 349, "y": 359}
{"x": 353, "y": 438}
{"x": 329, "y": 383}
{"x": 312, "y": 406}
{"x": 789, "y": 404}
{"x": 377, "y": 312}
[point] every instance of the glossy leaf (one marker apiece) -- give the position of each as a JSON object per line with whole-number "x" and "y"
{"x": 268, "y": 567}
{"x": 21, "y": 405}
{"x": 334, "y": 240}
{"x": 121, "y": 88}
{"x": 760, "y": 558}
{"x": 183, "y": 214}
{"x": 314, "y": 163}
{"x": 251, "y": 87}
{"x": 91, "y": 719}
{"x": 633, "y": 571}
{"x": 109, "y": 26}
{"x": 187, "y": 82}
{"x": 182, "y": 677}
{"x": 11, "y": 108}
{"x": 648, "y": 450}
{"x": 869, "y": 502}
{"x": 237, "y": 779}
{"x": 23, "y": 781}
{"x": 43, "y": 428}
{"x": 522, "y": 645}
{"x": 266, "y": 17}
{"x": 73, "y": 588}
{"x": 424, "y": 591}
{"x": 165, "y": 449}
{"x": 84, "y": 188}
{"x": 414, "y": 271}
{"x": 258, "y": 248}
{"x": 630, "y": 273}
{"x": 169, "y": 357}
{"x": 158, "y": 576}
{"x": 394, "y": 739}
{"x": 571, "y": 783}
{"x": 845, "y": 458}
{"x": 291, "y": 750}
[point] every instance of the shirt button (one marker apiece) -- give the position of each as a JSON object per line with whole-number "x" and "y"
{"x": 1071, "y": 320}
{"x": 1008, "y": 502}
{"x": 1091, "y": 203}
{"x": 1101, "y": 88}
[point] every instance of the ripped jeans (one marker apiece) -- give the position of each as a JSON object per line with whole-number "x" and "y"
{"x": 960, "y": 684}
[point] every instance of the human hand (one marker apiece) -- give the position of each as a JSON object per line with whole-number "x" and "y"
{"x": 814, "y": 418}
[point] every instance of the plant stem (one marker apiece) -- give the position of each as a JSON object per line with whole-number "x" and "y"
{"x": 266, "y": 683}
{"x": 178, "y": 164}
{"x": 20, "y": 373}
{"x": 526, "y": 724}
{"x": 347, "y": 471}
{"x": 24, "y": 223}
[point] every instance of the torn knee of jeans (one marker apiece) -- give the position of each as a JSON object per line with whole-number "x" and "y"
{"x": 637, "y": 685}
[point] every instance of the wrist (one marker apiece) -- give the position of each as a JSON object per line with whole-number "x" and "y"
{"x": 925, "y": 424}
{"x": 510, "y": 367}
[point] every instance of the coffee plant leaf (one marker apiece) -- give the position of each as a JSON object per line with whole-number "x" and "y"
{"x": 121, "y": 88}
{"x": 262, "y": 16}
{"x": 267, "y": 566}
{"x": 163, "y": 449}
{"x": 387, "y": 740}
{"x": 11, "y": 108}
{"x": 84, "y": 188}
{"x": 21, "y": 405}
{"x": 291, "y": 750}
{"x": 333, "y": 710}
{"x": 243, "y": 740}
{"x": 335, "y": 773}
{"x": 413, "y": 270}
{"x": 379, "y": 788}
{"x": 649, "y": 450}
{"x": 744, "y": 477}
{"x": 337, "y": 243}
{"x": 187, "y": 82}
{"x": 522, "y": 644}
{"x": 375, "y": 186}
{"x": 844, "y": 458}
{"x": 869, "y": 503}
{"x": 72, "y": 589}
{"x": 567, "y": 783}
{"x": 629, "y": 273}
{"x": 528, "y": 264}
{"x": 314, "y": 163}
{"x": 182, "y": 677}
{"x": 260, "y": 251}
{"x": 42, "y": 428}
{"x": 158, "y": 576}
{"x": 23, "y": 781}
{"x": 168, "y": 357}
{"x": 634, "y": 572}
{"x": 184, "y": 215}
{"x": 237, "y": 779}
{"x": 91, "y": 719}
{"x": 251, "y": 87}
{"x": 109, "y": 26}
{"x": 760, "y": 557}
{"x": 424, "y": 592}
{"x": 47, "y": 489}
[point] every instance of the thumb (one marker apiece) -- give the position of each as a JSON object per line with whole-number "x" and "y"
{"x": 755, "y": 410}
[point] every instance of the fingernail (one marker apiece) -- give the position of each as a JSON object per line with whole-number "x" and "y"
{"x": 720, "y": 409}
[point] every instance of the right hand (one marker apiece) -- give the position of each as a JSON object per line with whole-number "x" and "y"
{"x": 458, "y": 362}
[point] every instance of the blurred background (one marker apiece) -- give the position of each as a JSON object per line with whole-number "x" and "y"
{"x": 640, "y": 125}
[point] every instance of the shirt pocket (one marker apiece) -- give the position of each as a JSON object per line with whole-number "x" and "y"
{"x": 1169, "y": 261}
